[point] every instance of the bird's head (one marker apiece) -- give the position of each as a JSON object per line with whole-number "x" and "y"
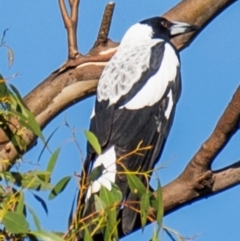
{"x": 158, "y": 27}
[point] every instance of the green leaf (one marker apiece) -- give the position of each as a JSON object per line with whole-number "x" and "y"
{"x": 136, "y": 186}
{"x": 31, "y": 121}
{"x": 144, "y": 206}
{"x": 95, "y": 173}
{"x": 155, "y": 236}
{"x": 20, "y": 205}
{"x": 10, "y": 57}
{"x": 52, "y": 161}
{"x": 46, "y": 236}
{"x": 156, "y": 202}
{"x": 99, "y": 203}
{"x": 87, "y": 235}
{"x": 4, "y": 92}
{"x": 92, "y": 139}
{"x": 46, "y": 144}
{"x": 15, "y": 222}
{"x": 159, "y": 209}
{"x": 42, "y": 202}
{"x": 116, "y": 193}
{"x": 59, "y": 187}
{"x": 35, "y": 219}
{"x": 111, "y": 199}
{"x": 30, "y": 180}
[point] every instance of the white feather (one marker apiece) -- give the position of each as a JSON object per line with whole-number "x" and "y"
{"x": 108, "y": 159}
{"x": 170, "y": 105}
{"x": 93, "y": 112}
{"x": 156, "y": 86}
{"x": 138, "y": 32}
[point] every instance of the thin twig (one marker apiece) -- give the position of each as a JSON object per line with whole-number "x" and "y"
{"x": 64, "y": 12}
{"x": 74, "y": 10}
{"x": 70, "y": 23}
{"x": 3, "y": 36}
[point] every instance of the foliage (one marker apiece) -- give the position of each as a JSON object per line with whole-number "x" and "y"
{"x": 14, "y": 210}
{"x": 108, "y": 202}
{"x": 15, "y": 120}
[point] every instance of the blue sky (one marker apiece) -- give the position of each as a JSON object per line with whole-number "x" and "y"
{"x": 210, "y": 75}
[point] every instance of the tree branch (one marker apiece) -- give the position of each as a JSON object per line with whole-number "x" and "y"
{"x": 226, "y": 127}
{"x": 102, "y": 38}
{"x": 70, "y": 23}
{"x": 197, "y": 12}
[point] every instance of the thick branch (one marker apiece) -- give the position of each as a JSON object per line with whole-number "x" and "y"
{"x": 226, "y": 127}
{"x": 197, "y": 12}
{"x": 198, "y": 170}
{"x": 226, "y": 178}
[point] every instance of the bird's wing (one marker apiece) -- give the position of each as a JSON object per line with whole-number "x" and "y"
{"x": 155, "y": 134}
{"x": 126, "y": 73}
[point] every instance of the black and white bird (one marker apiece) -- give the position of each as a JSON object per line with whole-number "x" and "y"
{"x": 136, "y": 100}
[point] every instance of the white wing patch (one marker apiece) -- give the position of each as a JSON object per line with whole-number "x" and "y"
{"x": 125, "y": 69}
{"x": 108, "y": 160}
{"x": 170, "y": 105}
{"x": 93, "y": 112}
{"x": 157, "y": 84}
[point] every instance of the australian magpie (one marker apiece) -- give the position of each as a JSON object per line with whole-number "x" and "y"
{"x": 136, "y": 99}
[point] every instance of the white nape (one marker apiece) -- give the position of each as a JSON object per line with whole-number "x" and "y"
{"x": 108, "y": 160}
{"x": 137, "y": 31}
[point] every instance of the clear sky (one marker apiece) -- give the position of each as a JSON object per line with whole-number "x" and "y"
{"x": 210, "y": 74}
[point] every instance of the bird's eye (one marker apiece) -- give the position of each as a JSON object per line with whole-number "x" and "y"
{"x": 164, "y": 23}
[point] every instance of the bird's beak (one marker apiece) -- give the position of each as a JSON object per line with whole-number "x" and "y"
{"x": 178, "y": 28}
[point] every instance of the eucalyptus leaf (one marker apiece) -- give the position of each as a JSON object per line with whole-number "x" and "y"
{"x": 159, "y": 209}
{"x": 100, "y": 205}
{"x": 15, "y": 222}
{"x": 46, "y": 236}
{"x": 52, "y": 161}
{"x": 136, "y": 186}
{"x": 144, "y": 206}
{"x": 28, "y": 114}
{"x": 20, "y": 204}
{"x": 96, "y": 173}
{"x": 10, "y": 54}
{"x": 87, "y": 235}
{"x": 35, "y": 219}
{"x": 92, "y": 139}
{"x": 42, "y": 202}
{"x": 59, "y": 187}
{"x": 29, "y": 180}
